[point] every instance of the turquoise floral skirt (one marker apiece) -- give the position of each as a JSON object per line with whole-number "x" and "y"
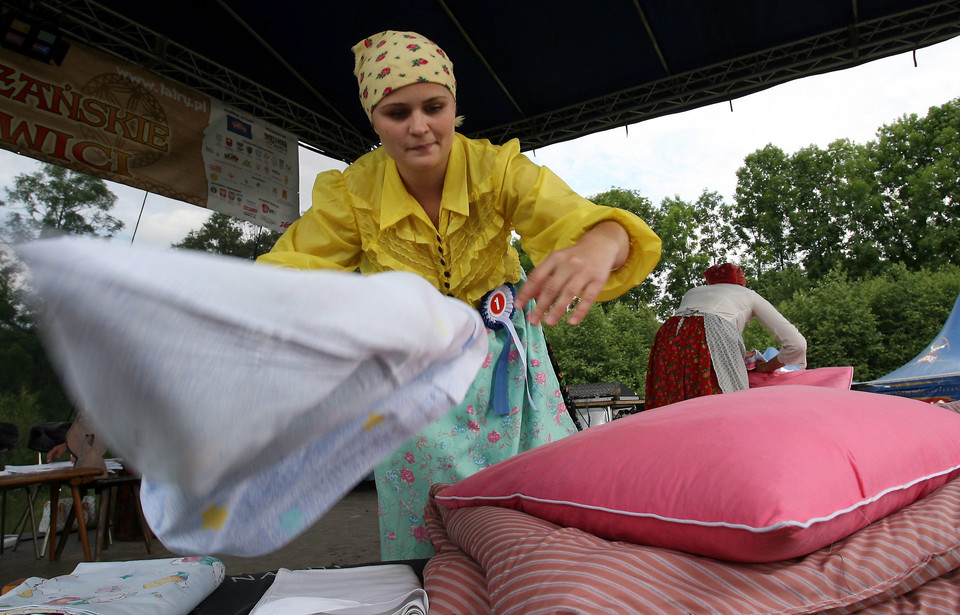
{"x": 469, "y": 438}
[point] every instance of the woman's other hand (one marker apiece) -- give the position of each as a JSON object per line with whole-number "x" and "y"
{"x": 766, "y": 367}
{"x": 572, "y": 278}
{"x": 57, "y": 451}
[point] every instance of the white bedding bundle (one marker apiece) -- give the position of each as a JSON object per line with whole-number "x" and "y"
{"x": 249, "y": 397}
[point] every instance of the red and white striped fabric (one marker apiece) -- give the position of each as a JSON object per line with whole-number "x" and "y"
{"x": 503, "y": 561}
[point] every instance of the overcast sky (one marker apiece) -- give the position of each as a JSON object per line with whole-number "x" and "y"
{"x": 677, "y": 155}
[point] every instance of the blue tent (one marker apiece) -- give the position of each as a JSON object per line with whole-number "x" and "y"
{"x": 933, "y": 375}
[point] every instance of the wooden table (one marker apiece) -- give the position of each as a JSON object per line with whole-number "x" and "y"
{"x": 57, "y": 479}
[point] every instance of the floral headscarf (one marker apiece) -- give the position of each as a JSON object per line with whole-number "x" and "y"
{"x": 390, "y": 60}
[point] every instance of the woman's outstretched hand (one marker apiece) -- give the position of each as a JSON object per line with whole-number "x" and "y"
{"x": 767, "y": 367}
{"x": 570, "y": 279}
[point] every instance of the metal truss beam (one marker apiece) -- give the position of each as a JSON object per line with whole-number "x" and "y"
{"x": 97, "y": 26}
{"x": 839, "y": 49}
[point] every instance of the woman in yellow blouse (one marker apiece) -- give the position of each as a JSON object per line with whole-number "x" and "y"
{"x": 433, "y": 202}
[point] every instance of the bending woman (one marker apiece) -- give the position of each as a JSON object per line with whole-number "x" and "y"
{"x": 700, "y": 350}
{"x": 433, "y": 202}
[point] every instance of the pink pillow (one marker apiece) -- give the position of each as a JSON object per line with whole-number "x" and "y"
{"x": 755, "y": 476}
{"x": 837, "y": 377}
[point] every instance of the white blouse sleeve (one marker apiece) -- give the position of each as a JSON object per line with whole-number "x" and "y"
{"x": 793, "y": 346}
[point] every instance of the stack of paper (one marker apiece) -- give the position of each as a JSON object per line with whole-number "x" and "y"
{"x": 391, "y": 589}
{"x": 113, "y": 465}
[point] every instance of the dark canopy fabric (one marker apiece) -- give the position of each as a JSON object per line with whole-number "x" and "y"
{"x": 934, "y": 374}
{"x": 543, "y": 71}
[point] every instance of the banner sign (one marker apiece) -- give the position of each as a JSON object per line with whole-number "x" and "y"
{"x": 105, "y": 117}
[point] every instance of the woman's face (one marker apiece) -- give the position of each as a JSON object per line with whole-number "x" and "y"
{"x": 415, "y": 125}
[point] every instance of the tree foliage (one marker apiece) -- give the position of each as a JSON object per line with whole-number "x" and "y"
{"x": 917, "y": 163}
{"x": 53, "y": 200}
{"x": 694, "y": 236}
{"x": 855, "y": 243}
{"x": 227, "y": 235}
{"x": 762, "y": 220}
{"x": 612, "y": 344}
{"x": 60, "y": 200}
{"x": 863, "y": 208}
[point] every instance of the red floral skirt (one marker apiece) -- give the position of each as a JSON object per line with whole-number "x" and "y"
{"x": 680, "y": 366}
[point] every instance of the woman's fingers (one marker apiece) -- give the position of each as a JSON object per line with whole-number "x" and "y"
{"x": 569, "y": 280}
{"x": 561, "y": 287}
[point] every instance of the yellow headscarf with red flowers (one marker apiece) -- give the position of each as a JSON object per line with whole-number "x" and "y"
{"x": 390, "y": 60}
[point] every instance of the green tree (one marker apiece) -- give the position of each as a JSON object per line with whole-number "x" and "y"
{"x": 612, "y": 344}
{"x": 910, "y": 308}
{"x": 694, "y": 237}
{"x": 21, "y": 408}
{"x": 763, "y": 209}
{"x": 631, "y": 200}
{"x": 918, "y": 159}
{"x": 858, "y": 209}
{"x": 55, "y": 200}
{"x": 838, "y": 324}
{"x": 58, "y": 199}
{"x": 227, "y": 235}
{"x": 876, "y": 324}
{"x": 818, "y": 210}
{"x": 778, "y": 286}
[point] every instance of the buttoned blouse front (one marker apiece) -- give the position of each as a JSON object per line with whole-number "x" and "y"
{"x": 363, "y": 219}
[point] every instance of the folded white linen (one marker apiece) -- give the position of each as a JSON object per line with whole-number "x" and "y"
{"x": 249, "y": 397}
{"x": 390, "y": 589}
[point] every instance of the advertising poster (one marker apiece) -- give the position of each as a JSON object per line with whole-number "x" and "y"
{"x": 100, "y": 115}
{"x": 251, "y": 169}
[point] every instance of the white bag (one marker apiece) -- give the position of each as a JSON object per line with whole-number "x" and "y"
{"x": 65, "y": 511}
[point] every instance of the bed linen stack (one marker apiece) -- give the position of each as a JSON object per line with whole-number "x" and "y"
{"x": 497, "y": 560}
{"x": 777, "y": 500}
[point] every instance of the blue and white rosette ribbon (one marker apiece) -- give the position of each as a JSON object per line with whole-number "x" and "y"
{"x": 497, "y": 308}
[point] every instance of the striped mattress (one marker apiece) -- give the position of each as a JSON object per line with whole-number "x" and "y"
{"x": 504, "y": 561}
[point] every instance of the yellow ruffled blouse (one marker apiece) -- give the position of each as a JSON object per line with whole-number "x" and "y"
{"x": 364, "y": 219}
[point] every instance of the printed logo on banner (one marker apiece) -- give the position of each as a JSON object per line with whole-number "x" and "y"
{"x": 238, "y": 126}
{"x": 276, "y": 142}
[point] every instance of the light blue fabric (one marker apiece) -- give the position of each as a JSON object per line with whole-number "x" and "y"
{"x": 471, "y": 437}
{"x": 171, "y": 586}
